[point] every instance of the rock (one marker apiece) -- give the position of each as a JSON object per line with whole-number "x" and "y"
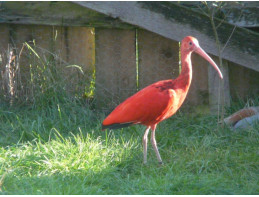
{"x": 247, "y": 122}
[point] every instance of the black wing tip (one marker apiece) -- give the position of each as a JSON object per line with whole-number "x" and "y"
{"x": 117, "y": 125}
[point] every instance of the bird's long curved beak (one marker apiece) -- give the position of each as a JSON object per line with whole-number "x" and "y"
{"x": 202, "y": 53}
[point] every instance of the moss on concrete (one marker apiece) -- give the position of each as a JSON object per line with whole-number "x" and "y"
{"x": 244, "y": 39}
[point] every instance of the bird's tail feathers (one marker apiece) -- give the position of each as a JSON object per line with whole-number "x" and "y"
{"x": 117, "y": 125}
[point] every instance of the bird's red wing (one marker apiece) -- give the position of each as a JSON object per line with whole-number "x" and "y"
{"x": 148, "y": 106}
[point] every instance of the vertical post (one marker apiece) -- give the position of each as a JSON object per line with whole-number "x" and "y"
{"x": 219, "y": 92}
{"x": 158, "y": 58}
{"x": 4, "y": 40}
{"x": 12, "y": 66}
{"x": 115, "y": 66}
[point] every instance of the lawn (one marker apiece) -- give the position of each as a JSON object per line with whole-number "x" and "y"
{"x": 60, "y": 149}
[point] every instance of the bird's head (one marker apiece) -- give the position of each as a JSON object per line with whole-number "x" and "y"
{"x": 190, "y": 44}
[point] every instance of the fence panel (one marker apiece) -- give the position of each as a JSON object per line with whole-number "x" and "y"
{"x": 50, "y": 51}
{"x": 17, "y": 35}
{"x": 4, "y": 36}
{"x": 158, "y": 58}
{"x": 80, "y": 59}
{"x": 198, "y": 93}
{"x": 81, "y": 47}
{"x": 115, "y": 66}
{"x": 244, "y": 83}
{"x": 111, "y": 55}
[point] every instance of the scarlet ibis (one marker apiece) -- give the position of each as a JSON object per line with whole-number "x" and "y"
{"x": 159, "y": 100}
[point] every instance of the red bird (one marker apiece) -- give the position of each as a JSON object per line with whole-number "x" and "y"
{"x": 159, "y": 100}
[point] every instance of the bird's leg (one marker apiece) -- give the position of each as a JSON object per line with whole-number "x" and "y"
{"x": 153, "y": 142}
{"x": 145, "y": 140}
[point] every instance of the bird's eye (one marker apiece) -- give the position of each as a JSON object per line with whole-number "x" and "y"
{"x": 190, "y": 43}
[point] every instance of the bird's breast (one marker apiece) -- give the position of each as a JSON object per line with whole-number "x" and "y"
{"x": 175, "y": 100}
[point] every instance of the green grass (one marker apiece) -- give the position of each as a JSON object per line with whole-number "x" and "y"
{"x": 60, "y": 149}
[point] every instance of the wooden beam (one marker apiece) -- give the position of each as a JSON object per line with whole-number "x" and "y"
{"x": 55, "y": 13}
{"x": 175, "y": 22}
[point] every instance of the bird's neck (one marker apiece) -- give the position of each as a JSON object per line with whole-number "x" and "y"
{"x": 185, "y": 78}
